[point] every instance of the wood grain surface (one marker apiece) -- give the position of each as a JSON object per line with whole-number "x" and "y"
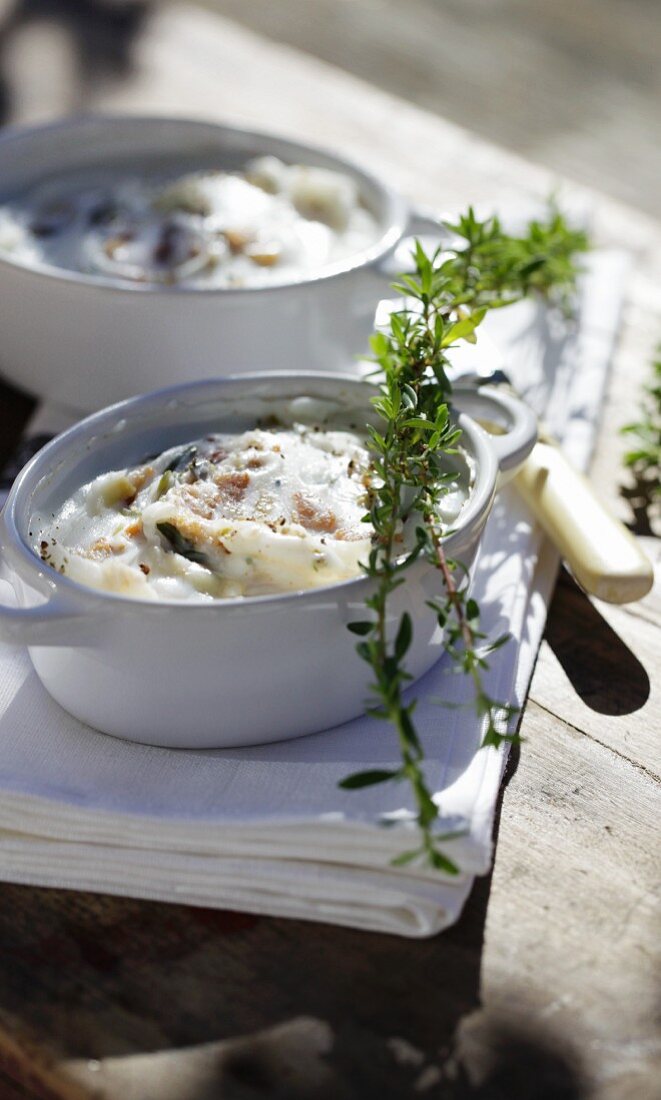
{"x": 548, "y": 985}
{"x": 574, "y": 86}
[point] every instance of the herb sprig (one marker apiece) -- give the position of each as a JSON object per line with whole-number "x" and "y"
{"x": 445, "y": 299}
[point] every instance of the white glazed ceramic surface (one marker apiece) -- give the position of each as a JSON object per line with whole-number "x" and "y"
{"x": 86, "y": 341}
{"x": 234, "y": 672}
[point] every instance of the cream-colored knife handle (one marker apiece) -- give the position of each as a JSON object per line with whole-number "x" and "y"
{"x": 604, "y": 557}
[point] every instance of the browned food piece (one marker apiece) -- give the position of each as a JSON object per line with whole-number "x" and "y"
{"x": 141, "y": 476}
{"x": 313, "y": 518}
{"x": 167, "y": 252}
{"x": 236, "y": 240}
{"x": 218, "y": 455}
{"x": 264, "y": 259}
{"x": 200, "y": 503}
{"x": 233, "y": 485}
{"x": 134, "y": 528}
{"x": 347, "y": 534}
{"x": 130, "y": 486}
{"x": 101, "y": 549}
{"x": 111, "y": 246}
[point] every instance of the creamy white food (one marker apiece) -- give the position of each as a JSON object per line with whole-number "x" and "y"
{"x": 268, "y": 510}
{"x": 270, "y": 223}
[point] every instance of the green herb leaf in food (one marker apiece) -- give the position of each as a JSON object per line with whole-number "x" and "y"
{"x": 181, "y": 545}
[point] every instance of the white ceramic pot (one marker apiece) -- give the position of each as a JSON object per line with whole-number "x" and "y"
{"x": 86, "y": 341}
{"x": 233, "y": 672}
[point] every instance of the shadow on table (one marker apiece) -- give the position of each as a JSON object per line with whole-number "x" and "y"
{"x": 15, "y": 410}
{"x": 641, "y": 494}
{"x": 211, "y": 1003}
{"x": 102, "y": 34}
{"x": 605, "y": 673}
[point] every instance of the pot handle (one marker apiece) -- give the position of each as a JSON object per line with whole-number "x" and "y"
{"x": 509, "y": 422}
{"x": 54, "y": 622}
{"x": 425, "y": 222}
{"x": 47, "y": 624}
{"x": 422, "y": 222}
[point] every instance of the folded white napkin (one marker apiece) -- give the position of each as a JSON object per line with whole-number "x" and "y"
{"x": 267, "y": 830}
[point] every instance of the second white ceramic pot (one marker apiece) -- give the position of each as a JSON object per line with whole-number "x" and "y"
{"x": 232, "y": 672}
{"x": 86, "y": 341}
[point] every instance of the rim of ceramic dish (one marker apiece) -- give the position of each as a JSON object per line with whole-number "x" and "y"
{"x": 478, "y": 502}
{"x": 394, "y": 225}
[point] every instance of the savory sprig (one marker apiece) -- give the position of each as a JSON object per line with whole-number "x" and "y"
{"x": 495, "y": 269}
{"x": 444, "y": 301}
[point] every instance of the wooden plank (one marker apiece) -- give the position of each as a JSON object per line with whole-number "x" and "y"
{"x": 101, "y": 978}
{"x": 588, "y": 71}
{"x": 571, "y": 941}
{"x": 599, "y": 673}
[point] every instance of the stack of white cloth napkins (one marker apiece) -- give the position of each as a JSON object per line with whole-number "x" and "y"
{"x": 267, "y": 830}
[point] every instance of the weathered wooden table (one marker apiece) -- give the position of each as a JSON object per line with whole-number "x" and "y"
{"x": 547, "y": 986}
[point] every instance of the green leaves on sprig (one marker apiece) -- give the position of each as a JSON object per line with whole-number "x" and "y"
{"x": 501, "y": 269}
{"x": 459, "y": 616}
{"x": 445, "y": 299}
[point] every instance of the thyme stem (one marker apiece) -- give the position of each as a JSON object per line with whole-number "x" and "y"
{"x": 452, "y": 290}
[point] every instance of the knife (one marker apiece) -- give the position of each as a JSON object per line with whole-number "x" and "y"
{"x": 602, "y": 554}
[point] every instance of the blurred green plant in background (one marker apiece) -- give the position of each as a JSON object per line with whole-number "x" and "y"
{"x": 644, "y": 457}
